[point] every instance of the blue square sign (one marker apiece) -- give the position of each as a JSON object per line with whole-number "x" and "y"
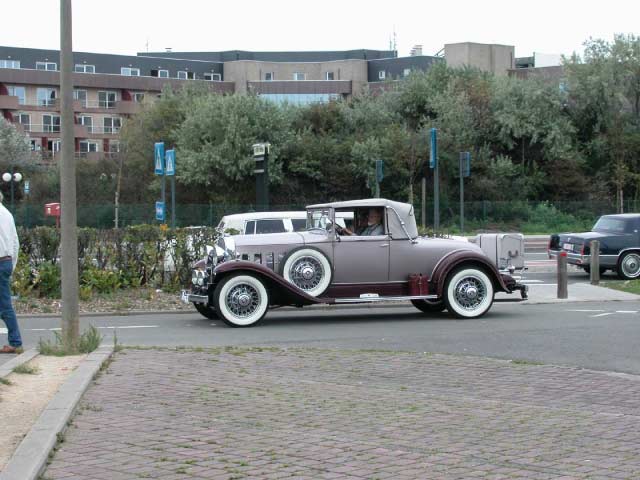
{"x": 160, "y": 213}
{"x": 158, "y": 157}
{"x": 170, "y": 168}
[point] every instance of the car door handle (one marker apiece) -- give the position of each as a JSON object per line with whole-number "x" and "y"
{"x": 383, "y": 245}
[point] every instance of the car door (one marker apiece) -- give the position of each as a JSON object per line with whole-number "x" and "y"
{"x": 361, "y": 259}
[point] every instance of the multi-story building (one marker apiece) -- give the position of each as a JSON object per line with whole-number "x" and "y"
{"x": 109, "y": 88}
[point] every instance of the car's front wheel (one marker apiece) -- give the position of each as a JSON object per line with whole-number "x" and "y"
{"x": 429, "y": 307}
{"x": 468, "y": 293}
{"x": 241, "y": 300}
{"x": 629, "y": 266}
{"x": 206, "y": 311}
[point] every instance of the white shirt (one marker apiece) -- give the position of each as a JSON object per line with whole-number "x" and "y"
{"x": 9, "y": 244}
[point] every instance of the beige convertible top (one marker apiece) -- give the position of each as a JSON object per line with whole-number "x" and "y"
{"x": 404, "y": 213}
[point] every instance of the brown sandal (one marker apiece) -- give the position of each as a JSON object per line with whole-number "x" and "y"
{"x": 10, "y": 349}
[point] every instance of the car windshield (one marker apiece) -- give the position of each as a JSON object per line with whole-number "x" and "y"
{"x": 318, "y": 219}
{"x": 610, "y": 224}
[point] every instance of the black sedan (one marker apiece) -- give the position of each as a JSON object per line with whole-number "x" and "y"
{"x": 619, "y": 237}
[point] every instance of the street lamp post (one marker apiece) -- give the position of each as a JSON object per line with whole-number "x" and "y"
{"x": 12, "y": 178}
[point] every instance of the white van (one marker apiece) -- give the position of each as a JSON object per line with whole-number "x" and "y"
{"x": 268, "y": 222}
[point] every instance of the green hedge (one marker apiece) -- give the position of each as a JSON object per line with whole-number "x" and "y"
{"x": 143, "y": 255}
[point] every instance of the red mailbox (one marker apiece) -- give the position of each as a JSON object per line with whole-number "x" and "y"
{"x": 52, "y": 210}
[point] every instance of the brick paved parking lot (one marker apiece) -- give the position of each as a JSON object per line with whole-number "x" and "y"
{"x": 317, "y": 414}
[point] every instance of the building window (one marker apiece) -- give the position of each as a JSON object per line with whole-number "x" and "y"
{"x": 328, "y": 76}
{"x": 107, "y": 99}
{"x": 46, "y": 97}
{"x": 9, "y": 63}
{"x": 19, "y": 92}
{"x": 111, "y": 124}
{"x": 269, "y": 76}
{"x": 130, "y": 72}
{"x": 382, "y": 75}
{"x": 163, "y": 73}
{"x": 182, "y": 75}
{"x": 299, "y": 76}
{"x": 114, "y": 146}
{"x": 80, "y": 96}
{"x": 82, "y": 68}
{"x": 406, "y": 72}
{"x": 46, "y": 66}
{"x": 87, "y": 146}
{"x": 53, "y": 145}
{"x": 300, "y": 98}
{"x": 24, "y": 119}
{"x": 137, "y": 96}
{"x": 213, "y": 77}
{"x": 87, "y": 121}
{"x": 51, "y": 123}
{"x": 34, "y": 144}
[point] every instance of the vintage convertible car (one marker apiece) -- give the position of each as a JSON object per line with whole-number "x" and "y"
{"x": 245, "y": 275}
{"x": 619, "y": 237}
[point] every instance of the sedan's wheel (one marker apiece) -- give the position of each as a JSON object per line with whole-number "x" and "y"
{"x": 309, "y": 270}
{"x": 629, "y": 266}
{"x": 206, "y": 311}
{"x": 241, "y": 300}
{"x": 468, "y": 293}
{"x": 429, "y": 307}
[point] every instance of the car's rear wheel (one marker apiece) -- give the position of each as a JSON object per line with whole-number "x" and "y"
{"x": 308, "y": 269}
{"x": 206, "y": 311}
{"x": 429, "y": 307}
{"x": 468, "y": 293}
{"x": 629, "y": 266}
{"x": 241, "y": 300}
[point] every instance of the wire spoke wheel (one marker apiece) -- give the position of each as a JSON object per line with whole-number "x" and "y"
{"x": 306, "y": 273}
{"x": 470, "y": 292}
{"x": 242, "y": 300}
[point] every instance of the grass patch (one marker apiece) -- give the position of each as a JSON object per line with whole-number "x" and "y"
{"x": 520, "y": 361}
{"x": 5, "y": 381}
{"x": 89, "y": 340}
{"x": 25, "y": 369}
{"x": 629, "y": 286}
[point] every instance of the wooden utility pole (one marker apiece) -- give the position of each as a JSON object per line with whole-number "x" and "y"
{"x": 68, "y": 229}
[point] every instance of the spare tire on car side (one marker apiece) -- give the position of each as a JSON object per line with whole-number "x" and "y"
{"x": 308, "y": 269}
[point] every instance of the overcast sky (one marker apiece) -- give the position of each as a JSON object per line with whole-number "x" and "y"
{"x": 126, "y": 26}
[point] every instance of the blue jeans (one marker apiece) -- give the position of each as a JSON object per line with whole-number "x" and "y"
{"x": 6, "y": 309}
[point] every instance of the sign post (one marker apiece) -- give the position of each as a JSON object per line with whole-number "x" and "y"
{"x": 465, "y": 171}
{"x": 433, "y": 164}
{"x": 261, "y": 170}
{"x": 158, "y": 163}
{"x": 170, "y": 171}
{"x": 379, "y": 175}
{"x": 160, "y": 211}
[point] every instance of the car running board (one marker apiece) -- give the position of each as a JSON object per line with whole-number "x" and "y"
{"x": 376, "y": 298}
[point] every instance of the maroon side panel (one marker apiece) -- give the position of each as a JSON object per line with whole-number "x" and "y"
{"x": 352, "y": 290}
{"x": 457, "y": 257}
{"x": 294, "y": 293}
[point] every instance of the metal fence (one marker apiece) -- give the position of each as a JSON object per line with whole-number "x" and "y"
{"x": 484, "y": 215}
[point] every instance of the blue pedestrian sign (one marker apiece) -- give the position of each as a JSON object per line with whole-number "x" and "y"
{"x": 160, "y": 211}
{"x": 379, "y": 170}
{"x": 159, "y": 158}
{"x": 170, "y": 169}
{"x": 27, "y": 187}
{"x": 433, "y": 157}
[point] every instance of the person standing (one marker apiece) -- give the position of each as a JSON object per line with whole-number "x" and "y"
{"x": 9, "y": 249}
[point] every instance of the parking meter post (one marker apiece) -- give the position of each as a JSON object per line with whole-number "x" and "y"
{"x": 562, "y": 275}
{"x": 261, "y": 171}
{"x": 595, "y": 262}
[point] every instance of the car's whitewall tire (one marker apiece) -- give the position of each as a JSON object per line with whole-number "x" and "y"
{"x": 309, "y": 270}
{"x": 468, "y": 293}
{"x": 241, "y": 300}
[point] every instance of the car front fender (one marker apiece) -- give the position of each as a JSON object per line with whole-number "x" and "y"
{"x": 457, "y": 258}
{"x": 284, "y": 293}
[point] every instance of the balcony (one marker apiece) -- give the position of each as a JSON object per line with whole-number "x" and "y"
{"x": 79, "y": 131}
{"x": 296, "y": 87}
{"x": 9, "y": 102}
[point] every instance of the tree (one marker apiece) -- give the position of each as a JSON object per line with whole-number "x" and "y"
{"x": 14, "y": 147}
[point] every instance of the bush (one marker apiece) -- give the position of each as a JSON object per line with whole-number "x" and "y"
{"x": 48, "y": 280}
{"x": 100, "y": 281}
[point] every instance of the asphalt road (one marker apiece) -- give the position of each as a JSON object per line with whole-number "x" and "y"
{"x": 603, "y": 336}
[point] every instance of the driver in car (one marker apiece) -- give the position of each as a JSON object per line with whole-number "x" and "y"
{"x": 373, "y": 227}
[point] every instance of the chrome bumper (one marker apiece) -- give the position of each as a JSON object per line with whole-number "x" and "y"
{"x": 572, "y": 258}
{"x": 187, "y": 297}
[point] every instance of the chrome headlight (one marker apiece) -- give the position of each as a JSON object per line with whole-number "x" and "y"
{"x": 197, "y": 277}
{"x": 194, "y": 277}
{"x": 200, "y": 278}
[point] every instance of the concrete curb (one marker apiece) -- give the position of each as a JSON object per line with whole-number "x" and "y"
{"x": 7, "y": 367}
{"x": 30, "y": 458}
